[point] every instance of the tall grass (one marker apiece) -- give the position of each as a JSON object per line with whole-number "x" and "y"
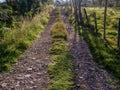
{"x": 112, "y": 23}
{"x": 15, "y": 41}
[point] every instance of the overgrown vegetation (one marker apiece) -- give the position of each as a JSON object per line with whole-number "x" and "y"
{"x": 112, "y": 23}
{"x": 14, "y": 41}
{"x": 13, "y": 11}
{"x": 105, "y": 52}
{"x": 104, "y": 55}
{"x": 61, "y": 68}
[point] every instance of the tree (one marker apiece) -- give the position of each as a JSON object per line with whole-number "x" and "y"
{"x": 6, "y": 14}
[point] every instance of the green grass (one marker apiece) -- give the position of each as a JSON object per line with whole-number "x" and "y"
{"x": 105, "y": 52}
{"x": 61, "y": 67}
{"x": 112, "y": 22}
{"x": 16, "y": 40}
{"x": 61, "y": 72}
{"x": 60, "y": 32}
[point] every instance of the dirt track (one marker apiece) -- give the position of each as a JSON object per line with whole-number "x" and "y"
{"x": 30, "y": 73}
{"x": 88, "y": 75}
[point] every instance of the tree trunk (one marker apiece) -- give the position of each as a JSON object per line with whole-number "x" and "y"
{"x": 100, "y": 3}
{"x": 86, "y": 16}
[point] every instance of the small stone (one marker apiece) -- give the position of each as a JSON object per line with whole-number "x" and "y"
{"x": 29, "y": 69}
{"x": 33, "y": 58}
{"x": 78, "y": 85}
{"x": 34, "y": 87}
{"x": 47, "y": 58}
{"x": 81, "y": 77}
{"x": 20, "y": 78}
{"x": 30, "y": 87}
{"x": 35, "y": 80}
{"x": 31, "y": 82}
{"x": 39, "y": 73}
{"x": 38, "y": 61}
{"x": 18, "y": 84}
{"x": 93, "y": 69}
{"x": 45, "y": 72}
{"x": 27, "y": 76}
{"x": 12, "y": 88}
{"x": 4, "y": 85}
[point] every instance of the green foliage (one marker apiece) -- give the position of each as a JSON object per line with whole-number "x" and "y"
{"x": 24, "y": 6}
{"x": 12, "y": 9}
{"x": 112, "y": 22}
{"x": 44, "y": 20}
{"x": 6, "y": 14}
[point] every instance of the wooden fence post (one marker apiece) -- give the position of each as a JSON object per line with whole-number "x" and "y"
{"x": 105, "y": 17}
{"x": 86, "y": 16}
{"x": 119, "y": 34}
{"x": 95, "y": 20}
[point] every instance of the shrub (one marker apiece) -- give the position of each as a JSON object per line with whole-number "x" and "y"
{"x": 22, "y": 45}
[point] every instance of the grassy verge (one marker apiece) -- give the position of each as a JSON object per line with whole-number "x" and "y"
{"x": 105, "y": 56}
{"x": 15, "y": 41}
{"x": 105, "y": 52}
{"x": 112, "y": 23}
{"x": 61, "y": 67}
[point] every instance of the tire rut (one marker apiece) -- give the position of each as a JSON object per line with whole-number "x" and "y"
{"x": 88, "y": 75}
{"x": 30, "y": 72}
